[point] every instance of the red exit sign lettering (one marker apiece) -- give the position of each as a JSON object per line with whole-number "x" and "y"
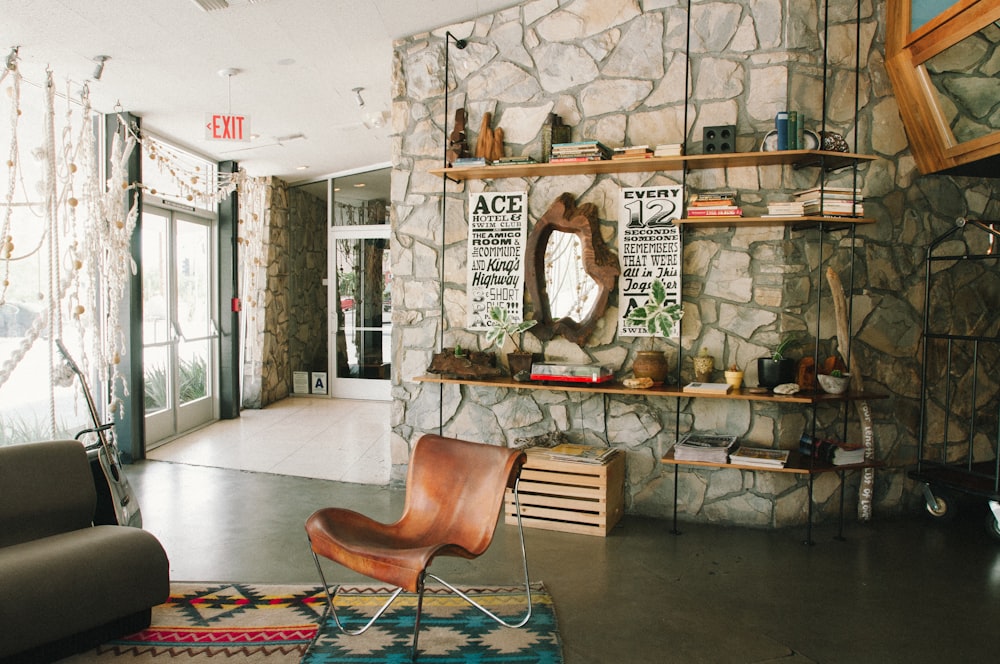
{"x": 221, "y": 127}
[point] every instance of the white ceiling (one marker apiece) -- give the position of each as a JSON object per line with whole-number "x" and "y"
{"x": 298, "y": 59}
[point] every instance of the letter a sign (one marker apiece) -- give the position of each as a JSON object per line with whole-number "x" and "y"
{"x": 221, "y": 127}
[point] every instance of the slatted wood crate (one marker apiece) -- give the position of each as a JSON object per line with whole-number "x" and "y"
{"x": 569, "y": 496}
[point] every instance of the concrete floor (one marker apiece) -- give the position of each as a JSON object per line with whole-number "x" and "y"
{"x": 903, "y": 590}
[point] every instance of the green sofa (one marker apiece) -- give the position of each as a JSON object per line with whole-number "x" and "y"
{"x": 65, "y": 584}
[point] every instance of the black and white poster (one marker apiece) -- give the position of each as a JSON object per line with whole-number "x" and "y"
{"x": 498, "y": 230}
{"x": 650, "y": 244}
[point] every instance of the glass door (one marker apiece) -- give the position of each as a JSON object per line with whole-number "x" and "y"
{"x": 180, "y": 336}
{"x": 361, "y": 314}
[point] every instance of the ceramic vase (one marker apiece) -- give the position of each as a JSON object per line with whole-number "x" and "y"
{"x": 704, "y": 365}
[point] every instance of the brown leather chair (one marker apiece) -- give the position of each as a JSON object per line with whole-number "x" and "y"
{"x": 454, "y": 493}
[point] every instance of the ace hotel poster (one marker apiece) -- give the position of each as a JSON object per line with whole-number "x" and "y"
{"x": 498, "y": 231}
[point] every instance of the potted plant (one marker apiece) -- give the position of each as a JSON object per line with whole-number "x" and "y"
{"x": 777, "y": 369}
{"x": 734, "y": 376}
{"x": 659, "y": 318}
{"x": 835, "y": 382}
{"x": 504, "y": 327}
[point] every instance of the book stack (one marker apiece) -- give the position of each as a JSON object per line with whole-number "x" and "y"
{"x": 785, "y": 209}
{"x": 720, "y": 204}
{"x": 576, "y": 453}
{"x": 830, "y": 451}
{"x": 580, "y": 151}
{"x": 465, "y": 162}
{"x": 632, "y": 152}
{"x": 704, "y": 447}
{"x": 833, "y": 201}
{"x": 669, "y": 150}
{"x": 762, "y": 457}
{"x": 516, "y": 160}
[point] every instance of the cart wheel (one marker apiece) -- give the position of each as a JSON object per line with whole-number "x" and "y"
{"x": 947, "y": 506}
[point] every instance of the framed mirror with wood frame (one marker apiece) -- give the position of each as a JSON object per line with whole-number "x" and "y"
{"x": 596, "y": 259}
{"x": 943, "y": 72}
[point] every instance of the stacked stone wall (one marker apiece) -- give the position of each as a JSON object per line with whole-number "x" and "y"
{"x": 614, "y": 70}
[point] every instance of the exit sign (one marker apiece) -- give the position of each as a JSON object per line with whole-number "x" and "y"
{"x": 222, "y": 127}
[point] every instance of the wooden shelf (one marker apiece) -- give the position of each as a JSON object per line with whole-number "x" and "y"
{"x": 798, "y": 158}
{"x": 797, "y": 464}
{"x": 657, "y": 391}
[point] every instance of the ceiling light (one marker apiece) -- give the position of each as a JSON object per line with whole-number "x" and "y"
{"x": 359, "y": 185}
{"x": 301, "y": 168}
{"x": 358, "y": 98}
{"x": 99, "y": 69}
{"x": 211, "y": 5}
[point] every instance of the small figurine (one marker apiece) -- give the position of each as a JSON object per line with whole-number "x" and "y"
{"x": 457, "y": 147}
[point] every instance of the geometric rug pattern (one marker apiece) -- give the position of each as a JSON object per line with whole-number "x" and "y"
{"x": 217, "y": 622}
{"x": 451, "y": 631}
{"x": 286, "y": 624}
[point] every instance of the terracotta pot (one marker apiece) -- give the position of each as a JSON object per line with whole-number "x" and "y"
{"x": 735, "y": 379}
{"x": 651, "y": 364}
{"x": 519, "y": 361}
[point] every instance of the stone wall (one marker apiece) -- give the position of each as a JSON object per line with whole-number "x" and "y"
{"x": 614, "y": 70}
{"x": 308, "y": 306}
{"x": 275, "y": 371}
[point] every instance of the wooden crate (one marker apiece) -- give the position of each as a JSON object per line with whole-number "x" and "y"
{"x": 569, "y": 496}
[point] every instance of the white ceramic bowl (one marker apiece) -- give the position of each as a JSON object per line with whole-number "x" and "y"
{"x": 834, "y": 384}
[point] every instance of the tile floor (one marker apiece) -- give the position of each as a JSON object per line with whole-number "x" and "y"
{"x": 897, "y": 590}
{"x": 327, "y": 439}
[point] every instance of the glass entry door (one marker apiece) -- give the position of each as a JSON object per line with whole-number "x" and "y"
{"x": 180, "y": 336}
{"x": 361, "y": 312}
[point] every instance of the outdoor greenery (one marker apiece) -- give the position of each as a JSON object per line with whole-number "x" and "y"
{"x": 193, "y": 379}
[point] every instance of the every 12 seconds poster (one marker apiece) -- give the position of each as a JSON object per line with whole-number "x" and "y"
{"x": 498, "y": 228}
{"x": 650, "y": 249}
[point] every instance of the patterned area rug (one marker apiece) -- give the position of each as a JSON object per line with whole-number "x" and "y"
{"x": 274, "y": 624}
{"x": 451, "y": 631}
{"x": 215, "y": 622}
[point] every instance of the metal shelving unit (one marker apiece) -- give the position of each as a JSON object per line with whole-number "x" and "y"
{"x": 958, "y": 451}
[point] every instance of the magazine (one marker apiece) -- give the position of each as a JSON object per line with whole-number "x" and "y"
{"x": 759, "y": 456}
{"x": 576, "y": 453}
{"x": 704, "y": 447}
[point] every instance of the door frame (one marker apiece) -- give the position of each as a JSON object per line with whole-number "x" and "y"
{"x": 209, "y": 407}
{"x": 373, "y": 389}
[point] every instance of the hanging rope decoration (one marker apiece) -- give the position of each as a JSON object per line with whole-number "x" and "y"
{"x": 188, "y": 178}
{"x": 6, "y": 240}
{"x": 85, "y": 230}
{"x": 252, "y": 239}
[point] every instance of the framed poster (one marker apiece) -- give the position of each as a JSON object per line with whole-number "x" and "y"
{"x": 650, "y": 244}
{"x": 498, "y": 227}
